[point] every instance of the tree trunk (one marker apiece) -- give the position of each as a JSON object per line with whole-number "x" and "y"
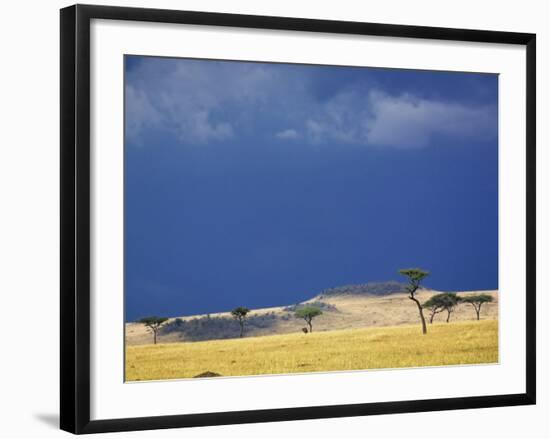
{"x": 242, "y": 328}
{"x": 422, "y": 319}
{"x": 310, "y": 327}
{"x": 432, "y": 318}
{"x": 477, "y": 311}
{"x": 154, "y": 337}
{"x": 448, "y": 315}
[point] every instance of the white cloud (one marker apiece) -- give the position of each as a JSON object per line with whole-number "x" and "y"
{"x": 198, "y": 101}
{"x": 140, "y": 113}
{"x": 340, "y": 119}
{"x": 288, "y": 134}
{"x": 407, "y": 121}
{"x": 198, "y": 127}
{"x": 201, "y": 102}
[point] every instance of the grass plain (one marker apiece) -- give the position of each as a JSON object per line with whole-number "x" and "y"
{"x": 458, "y": 342}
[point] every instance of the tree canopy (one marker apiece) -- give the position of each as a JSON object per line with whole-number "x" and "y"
{"x": 240, "y": 312}
{"x": 153, "y": 321}
{"x": 477, "y": 298}
{"x": 415, "y": 275}
{"x": 442, "y": 302}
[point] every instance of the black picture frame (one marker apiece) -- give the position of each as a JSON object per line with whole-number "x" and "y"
{"x": 75, "y": 217}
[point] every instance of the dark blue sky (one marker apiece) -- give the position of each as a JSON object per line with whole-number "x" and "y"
{"x": 261, "y": 184}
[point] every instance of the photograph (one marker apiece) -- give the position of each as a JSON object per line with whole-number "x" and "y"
{"x": 291, "y": 218}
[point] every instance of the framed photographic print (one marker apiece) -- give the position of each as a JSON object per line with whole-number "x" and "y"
{"x": 268, "y": 218}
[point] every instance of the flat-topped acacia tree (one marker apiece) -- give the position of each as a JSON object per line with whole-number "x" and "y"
{"x": 153, "y": 323}
{"x": 416, "y": 276}
{"x": 450, "y": 301}
{"x": 434, "y": 305}
{"x": 476, "y": 301}
{"x": 442, "y": 302}
{"x": 308, "y": 313}
{"x": 239, "y": 314}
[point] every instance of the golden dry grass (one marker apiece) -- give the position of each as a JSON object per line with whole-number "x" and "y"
{"x": 464, "y": 342}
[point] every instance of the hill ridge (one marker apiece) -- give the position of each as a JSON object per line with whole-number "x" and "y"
{"x": 383, "y": 288}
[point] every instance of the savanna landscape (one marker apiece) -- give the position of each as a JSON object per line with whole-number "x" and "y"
{"x": 369, "y": 326}
{"x": 262, "y": 199}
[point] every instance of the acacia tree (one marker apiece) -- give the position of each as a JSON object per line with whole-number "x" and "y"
{"x": 451, "y": 300}
{"x": 239, "y": 314}
{"x": 308, "y": 313}
{"x": 442, "y": 302}
{"x": 153, "y": 324}
{"x": 476, "y": 301}
{"x": 435, "y": 307}
{"x": 416, "y": 275}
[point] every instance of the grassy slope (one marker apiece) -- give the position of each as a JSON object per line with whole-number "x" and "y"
{"x": 352, "y": 312}
{"x": 465, "y": 342}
